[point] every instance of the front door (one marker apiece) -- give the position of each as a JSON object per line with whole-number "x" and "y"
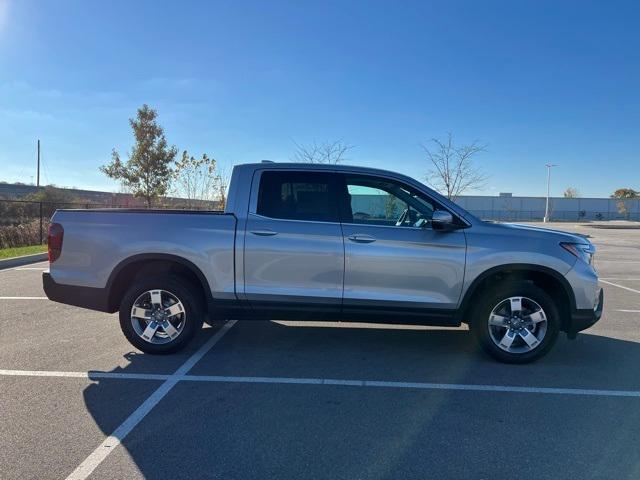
{"x": 394, "y": 261}
{"x": 293, "y": 252}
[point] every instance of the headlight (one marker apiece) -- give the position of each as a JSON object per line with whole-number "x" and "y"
{"x": 584, "y": 251}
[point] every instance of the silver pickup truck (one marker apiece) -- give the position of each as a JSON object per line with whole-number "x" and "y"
{"x": 325, "y": 242}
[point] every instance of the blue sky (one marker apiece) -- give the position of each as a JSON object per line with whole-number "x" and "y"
{"x": 537, "y": 81}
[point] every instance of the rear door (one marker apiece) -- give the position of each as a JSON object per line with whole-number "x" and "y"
{"x": 394, "y": 261}
{"x": 293, "y": 251}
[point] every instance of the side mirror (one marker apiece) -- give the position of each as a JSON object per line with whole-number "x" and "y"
{"x": 442, "y": 220}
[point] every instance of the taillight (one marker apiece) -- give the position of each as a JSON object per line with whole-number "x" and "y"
{"x": 54, "y": 241}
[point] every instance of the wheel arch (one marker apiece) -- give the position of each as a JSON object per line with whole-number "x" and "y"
{"x": 134, "y": 266}
{"x": 554, "y": 283}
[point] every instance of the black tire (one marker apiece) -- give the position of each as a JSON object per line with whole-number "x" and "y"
{"x": 490, "y": 298}
{"x": 183, "y": 290}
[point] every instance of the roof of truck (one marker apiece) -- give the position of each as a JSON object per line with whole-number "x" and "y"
{"x": 318, "y": 166}
{"x": 340, "y": 167}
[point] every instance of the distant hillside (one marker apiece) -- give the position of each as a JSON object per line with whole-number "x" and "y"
{"x": 20, "y": 191}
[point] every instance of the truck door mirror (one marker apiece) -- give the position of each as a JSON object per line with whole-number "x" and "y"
{"x": 442, "y": 220}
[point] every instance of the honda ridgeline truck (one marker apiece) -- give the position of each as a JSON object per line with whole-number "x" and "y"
{"x": 325, "y": 242}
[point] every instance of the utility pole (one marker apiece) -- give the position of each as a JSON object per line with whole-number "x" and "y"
{"x": 546, "y": 209}
{"x": 38, "y": 177}
{"x": 38, "y": 186}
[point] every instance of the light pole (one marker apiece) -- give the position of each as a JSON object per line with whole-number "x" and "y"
{"x": 38, "y": 177}
{"x": 546, "y": 208}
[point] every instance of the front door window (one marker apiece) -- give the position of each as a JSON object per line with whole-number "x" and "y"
{"x": 374, "y": 201}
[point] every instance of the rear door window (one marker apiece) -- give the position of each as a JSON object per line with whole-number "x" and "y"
{"x": 297, "y": 196}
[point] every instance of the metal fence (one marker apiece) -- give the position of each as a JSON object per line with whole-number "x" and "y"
{"x": 25, "y": 222}
{"x": 561, "y": 216}
{"x": 521, "y": 209}
{"x": 525, "y": 209}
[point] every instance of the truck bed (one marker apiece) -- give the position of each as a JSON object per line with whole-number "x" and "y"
{"x": 97, "y": 241}
{"x": 144, "y": 210}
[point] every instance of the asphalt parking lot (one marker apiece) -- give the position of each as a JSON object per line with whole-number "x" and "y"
{"x": 317, "y": 400}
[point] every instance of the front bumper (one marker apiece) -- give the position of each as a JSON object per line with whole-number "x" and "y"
{"x": 585, "y": 318}
{"x": 85, "y": 297}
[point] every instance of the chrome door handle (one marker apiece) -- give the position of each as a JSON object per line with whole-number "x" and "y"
{"x": 361, "y": 238}
{"x": 264, "y": 233}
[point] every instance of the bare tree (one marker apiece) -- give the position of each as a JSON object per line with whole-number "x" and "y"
{"x": 197, "y": 179}
{"x": 325, "y": 152}
{"x": 572, "y": 192}
{"x": 222, "y": 186}
{"x": 453, "y": 172}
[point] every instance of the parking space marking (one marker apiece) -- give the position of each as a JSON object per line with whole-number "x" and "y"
{"x": 628, "y": 311}
{"x": 620, "y": 286}
{"x": 619, "y": 278}
{"x": 13, "y": 269}
{"x": 112, "y": 441}
{"x": 88, "y": 375}
{"x": 417, "y": 385}
{"x": 181, "y": 376}
{"x": 24, "y": 298}
{"x": 616, "y": 261}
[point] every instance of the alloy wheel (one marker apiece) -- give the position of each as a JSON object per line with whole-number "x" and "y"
{"x": 158, "y": 316}
{"x": 517, "y": 325}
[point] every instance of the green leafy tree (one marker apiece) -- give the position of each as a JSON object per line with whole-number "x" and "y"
{"x": 147, "y": 173}
{"x": 626, "y": 193}
{"x": 623, "y": 209}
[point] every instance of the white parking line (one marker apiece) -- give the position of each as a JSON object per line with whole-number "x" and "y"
{"x": 183, "y": 377}
{"x": 13, "y": 269}
{"x": 112, "y": 441}
{"x": 620, "y": 286}
{"x": 418, "y": 385}
{"x": 88, "y": 375}
{"x": 23, "y": 298}
{"x": 615, "y": 261}
{"x": 629, "y": 311}
{"x": 620, "y": 278}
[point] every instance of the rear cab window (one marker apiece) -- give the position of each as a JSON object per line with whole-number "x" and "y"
{"x": 295, "y": 195}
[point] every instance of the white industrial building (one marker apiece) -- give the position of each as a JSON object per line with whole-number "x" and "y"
{"x": 510, "y": 208}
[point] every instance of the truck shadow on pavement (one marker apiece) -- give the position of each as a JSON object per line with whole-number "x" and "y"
{"x": 243, "y": 430}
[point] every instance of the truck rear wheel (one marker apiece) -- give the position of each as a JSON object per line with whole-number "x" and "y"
{"x": 160, "y": 315}
{"x": 516, "y": 322}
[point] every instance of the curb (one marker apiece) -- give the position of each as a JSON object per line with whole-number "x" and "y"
{"x": 24, "y": 260}
{"x": 615, "y": 227}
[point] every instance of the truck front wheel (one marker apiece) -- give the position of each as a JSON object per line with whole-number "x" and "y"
{"x": 160, "y": 315}
{"x": 517, "y": 322}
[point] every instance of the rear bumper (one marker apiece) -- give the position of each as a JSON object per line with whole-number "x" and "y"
{"x": 584, "y": 318}
{"x": 85, "y": 297}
